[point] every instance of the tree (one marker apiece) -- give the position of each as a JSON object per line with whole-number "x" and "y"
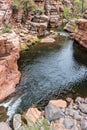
{"x": 82, "y": 6}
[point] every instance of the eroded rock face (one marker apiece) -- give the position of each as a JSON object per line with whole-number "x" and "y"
{"x": 70, "y": 26}
{"x": 5, "y": 11}
{"x": 54, "y": 10}
{"x": 81, "y": 32}
{"x": 9, "y": 54}
{"x": 38, "y": 24}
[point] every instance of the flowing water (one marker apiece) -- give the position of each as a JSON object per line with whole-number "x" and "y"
{"x": 49, "y": 71}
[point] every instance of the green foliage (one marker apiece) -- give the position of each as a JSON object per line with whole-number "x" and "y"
{"x": 78, "y": 16}
{"x": 74, "y": 27}
{"x": 24, "y": 47}
{"x": 67, "y": 12}
{"x": 28, "y": 5}
{"x": 36, "y": 40}
{"x": 7, "y": 28}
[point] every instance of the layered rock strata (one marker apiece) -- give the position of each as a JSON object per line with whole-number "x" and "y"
{"x": 9, "y": 54}
{"x": 81, "y": 32}
{"x": 5, "y": 11}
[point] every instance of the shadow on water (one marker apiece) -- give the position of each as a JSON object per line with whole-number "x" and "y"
{"x": 80, "y": 54}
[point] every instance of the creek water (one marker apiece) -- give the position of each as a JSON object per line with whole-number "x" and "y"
{"x": 49, "y": 71}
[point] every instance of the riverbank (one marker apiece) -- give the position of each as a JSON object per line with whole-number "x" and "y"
{"x": 57, "y": 115}
{"x": 53, "y": 67}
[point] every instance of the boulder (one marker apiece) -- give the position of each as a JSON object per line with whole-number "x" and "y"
{"x": 4, "y": 126}
{"x": 18, "y": 124}
{"x": 70, "y": 26}
{"x": 53, "y": 112}
{"x": 59, "y": 103}
{"x": 33, "y": 114}
{"x": 17, "y": 121}
{"x": 47, "y": 40}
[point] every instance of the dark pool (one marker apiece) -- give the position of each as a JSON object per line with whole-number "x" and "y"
{"x": 50, "y": 71}
{"x": 53, "y": 71}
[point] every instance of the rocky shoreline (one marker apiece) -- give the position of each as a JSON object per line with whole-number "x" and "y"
{"x": 25, "y": 34}
{"x": 58, "y": 115}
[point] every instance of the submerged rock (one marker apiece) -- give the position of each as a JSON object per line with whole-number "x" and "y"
{"x": 47, "y": 40}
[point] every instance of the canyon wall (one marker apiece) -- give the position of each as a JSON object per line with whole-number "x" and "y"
{"x": 81, "y": 32}
{"x": 9, "y": 54}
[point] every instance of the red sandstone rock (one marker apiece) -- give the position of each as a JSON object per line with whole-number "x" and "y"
{"x": 59, "y": 103}
{"x": 5, "y": 11}
{"x": 33, "y": 114}
{"x": 81, "y": 32}
{"x": 9, "y": 54}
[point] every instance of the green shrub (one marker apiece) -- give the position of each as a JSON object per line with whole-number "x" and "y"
{"x": 36, "y": 40}
{"x": 7, "y": 28}
{"x": 74, "y": 27}
{"x": 66, "y": 13}
{"x": 78, "y": 16}
{"x": 24, "y": 46}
